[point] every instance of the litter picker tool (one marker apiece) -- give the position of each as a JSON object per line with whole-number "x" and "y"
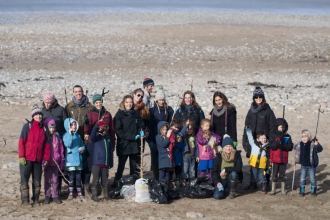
{"x": 318, "y": 118}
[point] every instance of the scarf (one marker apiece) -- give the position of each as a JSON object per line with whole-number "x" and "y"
{"x": 189, "y": 107}
{"x": 255, "y": 110}
{"x": 218, "y": 111}
{"x": 84, "y": 100}
{"x": 142, "y": 108}
{"x": 228, "y": 158}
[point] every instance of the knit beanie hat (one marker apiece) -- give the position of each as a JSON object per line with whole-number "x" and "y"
{"x": 147, "y": 82}
{"x": 160, "y": 95}
{"x": 49, "y": 122}
{"x": 96, "y": 97}
{"x": 35, "y": 110}
{"x": 258, "y": 92}
{"x": 49, "y": 97}
{"x": 227, "y": 141}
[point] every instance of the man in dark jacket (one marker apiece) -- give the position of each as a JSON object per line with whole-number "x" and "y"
{"x": 51, "y": 109}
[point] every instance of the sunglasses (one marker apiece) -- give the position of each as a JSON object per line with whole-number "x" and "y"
{"x": 138, "y": 95}
{"x": 257, "y": 97}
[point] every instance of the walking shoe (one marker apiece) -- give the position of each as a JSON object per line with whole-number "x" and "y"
{"x": 57, "y": 200}
{"x": 264, "y": 188}
{"x": 47, "y": 200}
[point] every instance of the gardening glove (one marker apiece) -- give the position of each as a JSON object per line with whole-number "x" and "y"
{"x": 142, "y": 133}
{"x": 136, "y": 137}
{"x": 62, "y": 165}
{"x": 151, "y": 144}
{"x": 235, "y": 144}
{"x": 22, "y": 161}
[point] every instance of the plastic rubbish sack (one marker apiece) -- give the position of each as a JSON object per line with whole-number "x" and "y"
{"x": 128, "y": 192}
{"x": 160, "y": 192}
{"x": 198, "y": 188}
{"x": 142, "y": 191}
{"x": 116, "y": 193}
{"x": 126, "y": 180}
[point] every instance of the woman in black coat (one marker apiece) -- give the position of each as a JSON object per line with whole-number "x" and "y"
{"x": 129, "y": 128}
{"x": 223, "y": 117}
{"x": 260, "y": 118}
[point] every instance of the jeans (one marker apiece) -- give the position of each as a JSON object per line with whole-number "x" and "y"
{"x": 165, "y": 174}
{"x": 75, "y": 175}
{"x": 226, "y": 185}
{"x": 189, "y": 166}
{"x": 311, "y": 173}
{"x": 258, "y": 174}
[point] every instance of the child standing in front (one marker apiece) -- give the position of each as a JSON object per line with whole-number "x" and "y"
{"x": 165, "y": 142}
{"x": 259, "y": 158}
{"x": 56, "y": 161}
{"x": 207, "y": 142}
{"x": 306, "y": 155}
{"x": 280, "y": 144}
{"x": 102, "y": 158}
{"x": 73, "y": 158}
{"x": 189, "y": 153}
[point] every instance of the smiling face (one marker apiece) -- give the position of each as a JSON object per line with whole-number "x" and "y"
{"x": 138, "y": 97}
{"x": 258, "y": 99}
{"x": 304, "y": 139}
{"x": 48, "y": 105}
{"x": 218, "y": 101}
{"x": 188, "y": 99}
{"x": 98, "y": 104}
{"x": 149, "y": 88}
{"x": 37, "y": 117}
{"x": 128, "y": 104}
{"x": 160, "y": 102}
{"x": 227, "y": 149}
{"x": 205, "y": 126}
{"x": 73, "y": 126}
{"x": 262, "y": 139}
{"x": 163, "y": 130}
{"x": 77, "y": 93}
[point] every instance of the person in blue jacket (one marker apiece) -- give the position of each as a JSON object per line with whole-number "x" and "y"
{"x": 73, "y": 155}
{"x": 102, "y": 158}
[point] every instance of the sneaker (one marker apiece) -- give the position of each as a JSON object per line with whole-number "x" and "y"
{"x": 57, "y": 200}
{"x": 47, "y": 200}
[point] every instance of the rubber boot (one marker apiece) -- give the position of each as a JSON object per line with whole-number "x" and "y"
{"x": 94, "y": 194}
{"x": 25, "y": 195}
{"x": 313, "y": 190}
{"x": 57, "y": 200}
{"x": 264, "y": 188}
{"x": 233, "y": 187}
{"x": 273, "y": 191}
{"x": 302, "y": 191}
{"x": 283, "y": 188}
{"x": 36, "y": 192}
{"x": 106, "y": 193}
{"x": 47, "y": 200}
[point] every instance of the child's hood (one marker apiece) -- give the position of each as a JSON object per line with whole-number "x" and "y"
{"x": 67, "y": 124}
{"x": 282, "y": 121}
{"x": 160, "y": 125}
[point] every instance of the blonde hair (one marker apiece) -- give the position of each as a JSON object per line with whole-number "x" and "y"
{"x": 306, "y": 133}
{"x": 205, "y": 120}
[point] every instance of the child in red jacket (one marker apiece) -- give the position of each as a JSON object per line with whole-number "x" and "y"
{"x": 32, "y": 150}
{"x": 280, "y": 144}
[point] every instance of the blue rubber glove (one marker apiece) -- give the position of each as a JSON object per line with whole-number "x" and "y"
{"x": 142, "y": 133}
{"x": 151, "y": 144}
{"x": 137, "y": 137}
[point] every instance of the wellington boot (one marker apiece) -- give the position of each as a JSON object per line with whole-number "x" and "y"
{"x": 94, "y": 194}
{"x": 273, "y": 191}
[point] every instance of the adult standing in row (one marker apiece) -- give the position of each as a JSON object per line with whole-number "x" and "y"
{"x": 51, "y": 109}
{"x": 98, "y": 113}
{"x": 78, "y": 109}
{"x": 260, "y": 118}
{"x": 148, "y": 86}
{"x": 161, "y": 111}
{"x": 128, "y": 126}
{"x": 223, "y": 117}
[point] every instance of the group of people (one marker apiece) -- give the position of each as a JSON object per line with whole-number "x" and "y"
{"x": 81, "y": 138}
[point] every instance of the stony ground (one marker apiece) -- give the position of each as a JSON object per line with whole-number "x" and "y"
{"x": 287, "y": 55}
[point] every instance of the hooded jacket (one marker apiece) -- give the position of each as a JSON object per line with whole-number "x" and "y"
{"x": 261, "y": 121}
{"x": 58, "y": 113}
{"x": 127, "y": 126}
{"x": 55, "y": 145}
{"x": 92, "y": 118}
{"x": 313, "y": 157}
{"x": 194, "y": 114}
{"x": 158, "y": 114}
{"x": 209, "y": 154}
{"x": 238, "y": 166}
{"x": 279, "y": 150}
{"x": 32, "y": 144}
{"x": 102, "y": 148}
{"x": 259, "y": 152}
{"x": 72, "y": 142}
{"x": 229, "y": 118}
{"x": 164, "y": 146}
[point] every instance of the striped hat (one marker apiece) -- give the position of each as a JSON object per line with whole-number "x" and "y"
{"x": 35, "y": 110}
{"x": 147, "y": 82}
